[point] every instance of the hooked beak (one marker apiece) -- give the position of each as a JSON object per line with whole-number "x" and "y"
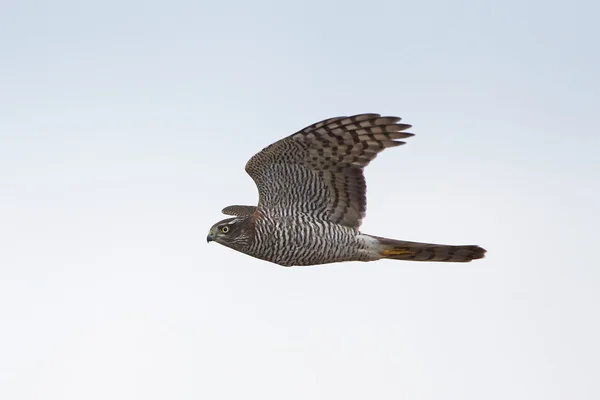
{"x": 209, "y": 238}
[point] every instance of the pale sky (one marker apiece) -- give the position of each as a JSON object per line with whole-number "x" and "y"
{"x": 124, "y": 130}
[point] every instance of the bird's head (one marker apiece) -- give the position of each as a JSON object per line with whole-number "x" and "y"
{"x": 231, "y": 232}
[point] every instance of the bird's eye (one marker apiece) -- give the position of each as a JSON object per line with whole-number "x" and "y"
{"x": 225, "y": 229}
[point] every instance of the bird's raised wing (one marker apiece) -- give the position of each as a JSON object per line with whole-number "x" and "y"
{"x": 319, "y": 170}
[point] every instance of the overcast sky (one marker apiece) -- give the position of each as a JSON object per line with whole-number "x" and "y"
{"x": 124, "y": 130}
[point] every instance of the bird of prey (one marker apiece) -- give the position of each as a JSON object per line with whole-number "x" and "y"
{"x": 312, "y": 199}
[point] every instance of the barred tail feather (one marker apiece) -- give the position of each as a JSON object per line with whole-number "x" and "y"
{"x": 414, "y": 251}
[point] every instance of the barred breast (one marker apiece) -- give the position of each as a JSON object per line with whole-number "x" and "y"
{"x": 303, "y": 239}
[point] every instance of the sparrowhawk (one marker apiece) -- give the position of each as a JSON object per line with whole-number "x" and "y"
{"x": 312, "y": 199}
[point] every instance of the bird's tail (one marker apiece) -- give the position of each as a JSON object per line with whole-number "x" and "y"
{"x": 414, "y": 251}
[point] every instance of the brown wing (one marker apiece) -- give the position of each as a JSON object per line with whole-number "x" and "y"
{"x": 319, "y": 170}
{"x": 239, "y": 211}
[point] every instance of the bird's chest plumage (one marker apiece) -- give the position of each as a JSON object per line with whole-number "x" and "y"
{"x": 303, "y": 240}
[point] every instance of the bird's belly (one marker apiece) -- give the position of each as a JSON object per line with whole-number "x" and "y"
{"x": 301, "y": 241}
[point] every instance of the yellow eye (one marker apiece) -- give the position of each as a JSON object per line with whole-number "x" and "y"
{"x": 225, "y": 229}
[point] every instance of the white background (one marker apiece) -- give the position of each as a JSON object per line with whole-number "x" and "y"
{"x": 124, "y": 130}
